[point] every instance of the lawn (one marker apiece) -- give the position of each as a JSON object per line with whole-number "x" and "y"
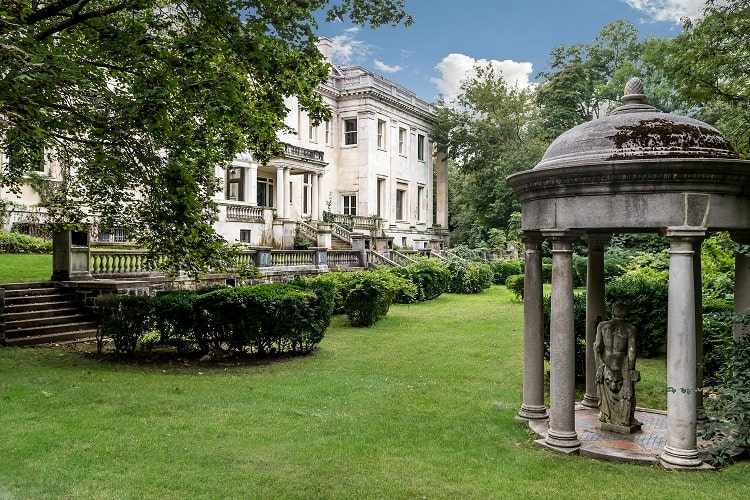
{"x": 17, "y": 268}
{"x": 420, "y": 406}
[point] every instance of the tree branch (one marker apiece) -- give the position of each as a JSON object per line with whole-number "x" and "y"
{"x": 79, "y": 18}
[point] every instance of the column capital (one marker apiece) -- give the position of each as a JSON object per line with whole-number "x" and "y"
{"x": 559, "y": 234}
{"x": 531, "y": 237}
{"x": 596, "y": 240}
{"x": 685, "y": 233}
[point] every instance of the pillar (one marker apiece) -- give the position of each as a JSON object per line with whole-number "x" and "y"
{"x": 681, "y": 449}
{"x": 533, "y": 331}
{"x": 442, "y": 188}
{"x": 280, "y": 192}
{"x": 252, "y": 185}
{"x": 595, "y": 310}
{"x": 287, "y": 194}
{"x": 562, "y": 431}
{"x": 741, "y": 283}
{"x": 315, "y": 195}
{"x": 698, "y": 294}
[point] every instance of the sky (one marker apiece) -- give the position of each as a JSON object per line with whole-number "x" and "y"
{"x": 450, "y": 37}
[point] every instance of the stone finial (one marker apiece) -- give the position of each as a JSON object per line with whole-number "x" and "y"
{"x": 634, "y": 93}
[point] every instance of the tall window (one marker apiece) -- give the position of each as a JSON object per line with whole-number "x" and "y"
{"x": 420, "y": 147}
{"x": 350, "y": 131}
{"x": 400, "y": 204}
{"x": 312, "y": 132}
{"x": 402, "y": 141}
{"x": 235, "y": 184}
{"x": 265, "y": 192}
{"x": 420, "y": 203}
{"x": 350, "y": 204}
{"x": 327, "y": 127}
{"x": 381, "y": 134}
{"x": 381, "y": 197}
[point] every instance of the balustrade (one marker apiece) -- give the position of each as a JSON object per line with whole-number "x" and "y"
{"x": 244, "y": 213}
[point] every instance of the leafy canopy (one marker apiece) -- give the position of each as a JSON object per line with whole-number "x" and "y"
{"x": 139, "y": 101}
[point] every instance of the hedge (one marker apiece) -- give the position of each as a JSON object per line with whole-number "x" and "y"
{"x": 469, "y": 276}
{"x": 502, "y": 268}
{"x": 21, "y": 243}
{"x": 431, "y": 277}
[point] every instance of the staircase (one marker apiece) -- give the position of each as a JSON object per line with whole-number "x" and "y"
{"x": 39, "y": 313}
{"x": 339, "y": 243}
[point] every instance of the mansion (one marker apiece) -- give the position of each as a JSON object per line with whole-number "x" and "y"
{"x": 368, "y": 170}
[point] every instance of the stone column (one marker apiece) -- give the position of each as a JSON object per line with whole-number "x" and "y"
{"x": 562, "y": 429}
{"x": 442, "y": 188}
{"x": 252, "y": 184}
{"x": 315, "y": 195}
{"x": 533, "y": 331}
{"x": 681, "y": 449}
{"x": 280, "y": 192}
{"x": 595, "y": 310}
{"x": 698, "y": 294}
{"x": 286, "y": 193}
{"x": 741, "y": 283}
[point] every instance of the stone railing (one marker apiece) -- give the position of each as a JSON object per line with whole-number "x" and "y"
{"x": 381, "y": 260}
{"x": 402, "y": 259}
{"x": 344, "y": 258}
{"x": 287, "y": 258}
{"x": 244, "y": 213}
{"x": 307, "y": 230}
{"x": 120, "y": 263}
{"x": 306, "y": 154}
{"x": 341, "y": 232}
{"x": 354, "y": 221}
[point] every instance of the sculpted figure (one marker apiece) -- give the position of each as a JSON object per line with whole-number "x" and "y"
{"x": 614, "y": 352}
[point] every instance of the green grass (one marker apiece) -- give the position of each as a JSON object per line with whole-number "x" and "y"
{"x": 18, "y": 268}
{"x": 420, "y": 406}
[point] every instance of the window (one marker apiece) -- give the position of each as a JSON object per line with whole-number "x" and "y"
{"x": 350, "y": 131}
{"x": 244, "y": 235}
{"x": 235, "y": 184}
{"x": 328, "y": 133}
{"x": 307, "y": 194}
{"x": 312, "y": 133}
{"x": 420, "y": 203}
{"x": 420, "y": 147}
{"x": 350, "y": 204}
{"x": 400, "y": 203}
{"x": 265, "y": 192}
{"x": 402, "y": 141}
{"x": 381, "y": 134}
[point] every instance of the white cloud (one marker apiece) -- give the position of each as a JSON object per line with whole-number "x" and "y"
{"x": 381, "y": 66}
{"x": 669, "y": 10}
{"x": 347, "y": 49}
{"x": 455, "y": 68}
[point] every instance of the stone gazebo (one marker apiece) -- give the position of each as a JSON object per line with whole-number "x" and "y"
{"x": 635, "y": 170}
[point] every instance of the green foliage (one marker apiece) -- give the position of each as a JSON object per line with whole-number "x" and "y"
{"x": 124, "y": 318}
{"x": 174, "y": 318}
{"x": 431, "y": 276}
{"x": 140, "y": 101}
{"x": 502, "y": 268}
{"x": 469, "y": 276}
{"x": 515, "y": 284}
{"x": 728, "y": 429}
{"x": 21, "y": 243}
{"x": 367, "y": 295}
{"x": 645, "y": 295}
{"x": 579, "y": 329}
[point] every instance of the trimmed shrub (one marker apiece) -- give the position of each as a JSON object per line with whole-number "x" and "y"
{"x": 431, "y": 276}
{"x": 124, "y": 318}
{"x": 174, "y": 318}
{"x": 515, "y": 284}
{"x": 645, "y": 295}
{"x": 546, "y": 272}
{"x": 502, "y": 268}
{"x": 368, "y": 295}
{"x": 468, "y": 276}
{"x": 21, "y": 243}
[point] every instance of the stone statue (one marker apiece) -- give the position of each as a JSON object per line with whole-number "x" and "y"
{"x": 614, "y": 352}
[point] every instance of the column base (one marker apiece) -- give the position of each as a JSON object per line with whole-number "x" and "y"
{"x": 562, "y": 439}
{"x": 590, "y": 401}
{"x": 532, "y": 413}
{"x": 676, "y": 458}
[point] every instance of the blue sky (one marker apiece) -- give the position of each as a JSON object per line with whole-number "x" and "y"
{"x": 449, "y": 37}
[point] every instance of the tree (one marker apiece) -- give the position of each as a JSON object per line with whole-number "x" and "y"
{"x": 139, "y": 101}
{"x": 708, "y": 65}
{"x": 490, "y": 132}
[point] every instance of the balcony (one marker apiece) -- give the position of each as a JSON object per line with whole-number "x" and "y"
{"x": 296, "y": 152}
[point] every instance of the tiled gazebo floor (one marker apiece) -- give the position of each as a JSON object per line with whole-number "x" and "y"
{"x": 641, "y": 447}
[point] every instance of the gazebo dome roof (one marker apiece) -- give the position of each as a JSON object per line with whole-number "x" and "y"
{"x": 636, "y": 131}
